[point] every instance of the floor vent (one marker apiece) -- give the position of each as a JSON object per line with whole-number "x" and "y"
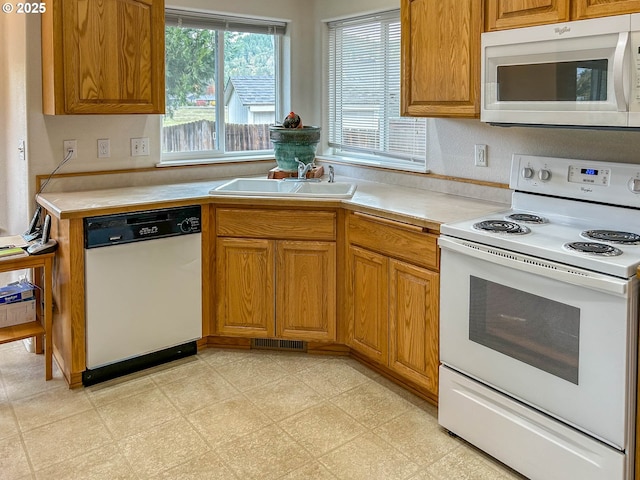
{"x": 275, "y": 344}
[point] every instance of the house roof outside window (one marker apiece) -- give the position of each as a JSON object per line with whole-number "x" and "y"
{"x": 251, "y": 90}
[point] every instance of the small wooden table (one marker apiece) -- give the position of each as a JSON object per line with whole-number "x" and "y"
{"x": 41, "y": 264}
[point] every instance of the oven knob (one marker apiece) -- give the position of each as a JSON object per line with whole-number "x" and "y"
{"x": 634, "y": 185}
{"x": 544, "y": 175}
{"x": 527, "y": 172}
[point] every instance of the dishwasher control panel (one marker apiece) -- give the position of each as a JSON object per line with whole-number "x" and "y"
{"x": 129, "y": 227}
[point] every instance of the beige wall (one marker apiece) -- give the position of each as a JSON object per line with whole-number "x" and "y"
{"x": 451, "y": 142}
{"x": 13, "y": 165}
{"x": 14, "y": 200}
{"x": 49, "y": 132}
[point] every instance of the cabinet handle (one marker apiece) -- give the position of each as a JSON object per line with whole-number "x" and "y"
{"x": 391, "y": 223}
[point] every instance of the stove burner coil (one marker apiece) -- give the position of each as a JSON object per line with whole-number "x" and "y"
{"x": 613, "y": 236}
{"x": 526, "y": 218}
{"x": 501, "y": 226}
{"x": 594, "y": 248}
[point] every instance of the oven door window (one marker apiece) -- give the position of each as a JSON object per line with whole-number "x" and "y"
{"x": 540, "y": 332}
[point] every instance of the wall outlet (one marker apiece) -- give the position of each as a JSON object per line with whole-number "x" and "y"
{"x": 140, "y": 147}
{"x": 104, "y": 148}
{"x": 70, "y": 145}
{"x": 480, "y": 155}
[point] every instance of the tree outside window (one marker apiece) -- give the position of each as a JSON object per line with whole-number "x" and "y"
{"x": 220, "y": 86}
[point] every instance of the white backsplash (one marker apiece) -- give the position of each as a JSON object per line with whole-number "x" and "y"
{"x": 159, "y": 176}
{"x": 424, "y": 182}
{"x": 450, "y": 154}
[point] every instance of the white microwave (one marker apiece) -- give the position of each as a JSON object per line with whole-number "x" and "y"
{"x": 575, "y": 74}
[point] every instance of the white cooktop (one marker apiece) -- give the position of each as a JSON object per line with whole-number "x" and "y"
{"x": 570, "y": 207}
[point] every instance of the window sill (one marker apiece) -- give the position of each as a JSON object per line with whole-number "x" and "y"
{"x": 373, "y": 163}
{"x": 214, "y": 160}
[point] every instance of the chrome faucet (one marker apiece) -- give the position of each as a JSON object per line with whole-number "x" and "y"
{"x": 303, "y": 169}
{"x": 331, "y": 174}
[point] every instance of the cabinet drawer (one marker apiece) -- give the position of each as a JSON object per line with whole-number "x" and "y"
{"x": 395, "y": 239}
{"x": 289, "y": 224}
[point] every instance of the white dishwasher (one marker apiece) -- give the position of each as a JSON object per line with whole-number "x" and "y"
{"x": 143, "y": 290}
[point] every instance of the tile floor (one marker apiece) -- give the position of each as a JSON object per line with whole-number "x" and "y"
{"x": 226, "y": 414}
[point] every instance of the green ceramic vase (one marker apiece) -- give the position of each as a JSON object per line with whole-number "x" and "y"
{"x": 292, "y": 143}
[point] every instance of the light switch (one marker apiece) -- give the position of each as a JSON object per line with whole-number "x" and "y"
{"x": 140, "y": 147}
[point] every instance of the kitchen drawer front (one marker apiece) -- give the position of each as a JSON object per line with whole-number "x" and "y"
{"x": 289, "y": 224}
{"x": 395, "y": 239}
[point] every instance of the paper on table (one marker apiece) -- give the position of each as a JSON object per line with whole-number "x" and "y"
{"x": 11, "y": 252}
{"x": 15, "y": 240}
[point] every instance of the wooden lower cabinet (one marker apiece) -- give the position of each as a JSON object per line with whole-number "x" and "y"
{"x": 306, "y": 290}
{"x": 413, "y": 323}
{"x": 393, "y": 319}
{"x": 368, "y": 319}
{"x": 245, "y": 287}
{"x": 274, "y": 287}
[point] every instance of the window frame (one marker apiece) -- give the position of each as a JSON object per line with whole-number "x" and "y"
{"x": 220, "y": 24}
{"x": 355, "y": 155}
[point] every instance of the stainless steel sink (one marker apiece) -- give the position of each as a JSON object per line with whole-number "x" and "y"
{"x": 265, "y": 187}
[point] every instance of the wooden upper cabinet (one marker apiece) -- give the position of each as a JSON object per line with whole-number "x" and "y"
{"x": 504, "y": 14}
{"x": 441, "y": 57}
{"x": 501, "y": 14}
{"x": 103, "y": 56}
{"x": 581, "y": 9}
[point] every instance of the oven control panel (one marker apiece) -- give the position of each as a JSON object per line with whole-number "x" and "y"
{"x": 597, "y": 181}
{"x": 589, "y": 175}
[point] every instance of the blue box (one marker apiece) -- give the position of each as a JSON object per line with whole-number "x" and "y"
{"x": 17, "y": 292}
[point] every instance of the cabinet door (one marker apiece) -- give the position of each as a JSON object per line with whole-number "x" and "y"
{"x": 245, "y": 292}
{"x": 103, "y": 56}
{"x": 306, "y": 290}
{"x": 441, "y": 57}
{"x": 582, "y": 9}
{"x": 368, "y": 324}
{"x": 503, "y": 14}
{"x": 413, "y": 319}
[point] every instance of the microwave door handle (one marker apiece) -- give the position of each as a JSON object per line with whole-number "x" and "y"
{"x": 618, "y": 71}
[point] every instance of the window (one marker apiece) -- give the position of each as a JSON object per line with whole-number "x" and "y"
{"x": 364, "y": 95}
{"x": 221, "y": 85}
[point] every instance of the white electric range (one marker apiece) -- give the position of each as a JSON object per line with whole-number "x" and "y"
{"x": 538, "y": 321}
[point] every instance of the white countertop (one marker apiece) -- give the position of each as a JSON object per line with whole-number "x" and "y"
{"x": 413, "y": 205}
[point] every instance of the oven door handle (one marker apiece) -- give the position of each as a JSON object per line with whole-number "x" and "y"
{"x": 555, "y": 271}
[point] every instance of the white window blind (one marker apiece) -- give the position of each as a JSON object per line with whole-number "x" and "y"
{"x": 200, "y": 20}
{"x": 364, "y": 93}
